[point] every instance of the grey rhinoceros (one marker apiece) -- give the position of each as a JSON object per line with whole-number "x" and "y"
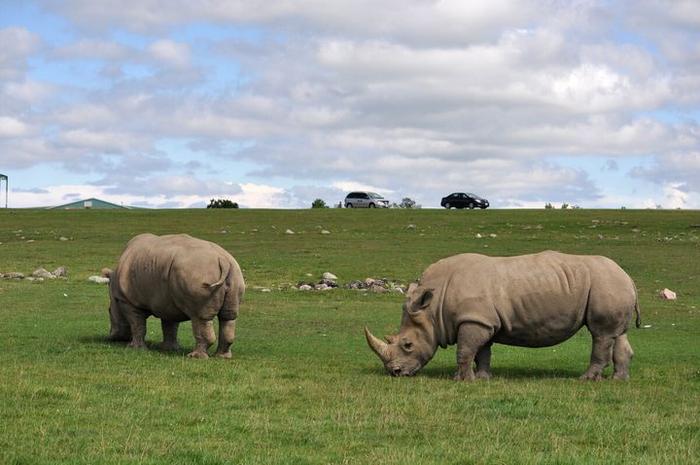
{"x": 533, "y": 300}
{"x": 175, "y": 278}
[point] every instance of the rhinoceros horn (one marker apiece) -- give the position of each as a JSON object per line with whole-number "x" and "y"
{"x": 377, "y": 345}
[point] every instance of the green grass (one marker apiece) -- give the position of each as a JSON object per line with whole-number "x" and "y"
{"x": 302, "y": 386}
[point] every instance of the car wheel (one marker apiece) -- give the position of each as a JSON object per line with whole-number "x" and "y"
{"x": 448, "y": 206}
{"x": 471, "y": 206}
{"x": 371, "y": 205}
{"x": 348, "y": 205}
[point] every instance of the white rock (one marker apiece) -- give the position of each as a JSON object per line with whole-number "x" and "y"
{"x": 35, "y": 280}
{"x": 492, "y": 235}
{"x": 667, "y": 294}
{"x": 478, "y": 235}
{"x": 305, "y": 287}
{"x": 42, "y": 273}
{"x": 321, "y": 287}
{"x": 98, "y": 279}
{"x": 411, "y": 226}
{"x": 63, "y": 238}
{"x": 329, "y": 276}
{"x": 289, "y": 231}
{"x": 369, "y": 281}
{"x": 265, "y": 289}
{"x": 325, "y": 231}
{"x": 60, "y": 272}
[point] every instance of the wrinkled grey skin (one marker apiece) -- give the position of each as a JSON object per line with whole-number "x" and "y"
{"x": 533, "y": 300}
{"x": 175, "y": 278}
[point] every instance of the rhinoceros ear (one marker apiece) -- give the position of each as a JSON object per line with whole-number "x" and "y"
{"x": 422, "y": 302}
{"x": 425, "y": 298}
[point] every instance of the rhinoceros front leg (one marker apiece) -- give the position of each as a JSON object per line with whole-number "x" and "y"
{"x": 471, "y": 338}
{"x": 204, "y": 337}
{"x": 169, "y": 334}
{"x": 600, "y": 357}
{"x": 227, "y": 332}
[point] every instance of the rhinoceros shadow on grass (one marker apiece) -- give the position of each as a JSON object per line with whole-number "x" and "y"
{"x": 506, "y": 372}
{"x": 155, "y": 346}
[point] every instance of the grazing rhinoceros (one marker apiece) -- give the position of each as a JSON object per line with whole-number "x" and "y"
{"x": 530, "y": 300}
{"x": 175, "y": 278}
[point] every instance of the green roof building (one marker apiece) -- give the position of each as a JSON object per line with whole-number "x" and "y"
{"x": 92, "y": 203}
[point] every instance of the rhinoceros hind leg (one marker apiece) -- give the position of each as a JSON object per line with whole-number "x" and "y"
{"x": 137, "y": 323}
{"x": 600, "y": 357}
{"x": 227, "y": 332}
{"x": 470, "y": 340}
{"x": 169, "y": 335}
{"x": 204, "y": 336}
{"x": 483, "y": 363}
{"x": 622, "y": 354}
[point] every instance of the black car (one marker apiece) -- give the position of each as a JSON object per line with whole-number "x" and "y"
{"x": 462, "y": 200}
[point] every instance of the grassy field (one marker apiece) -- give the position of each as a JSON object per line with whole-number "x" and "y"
{"x": 303, "y": 388}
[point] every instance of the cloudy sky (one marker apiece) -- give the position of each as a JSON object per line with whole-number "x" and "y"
{"x": 168, "y": 103}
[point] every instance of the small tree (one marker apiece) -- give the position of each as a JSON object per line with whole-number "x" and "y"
{"x": 564, "y": 206}
{"x": 548, "y": 206}
{"x": 319, "y": 203}
{"x": 222, "y": 203}
{"x": 407, "y": 202}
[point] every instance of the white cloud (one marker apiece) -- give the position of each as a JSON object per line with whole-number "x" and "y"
{"x": 410, "y": 98}
{"x": 171, "y": 53}
{"x": 17, "y": 44}
{"x": 12, "y": 127}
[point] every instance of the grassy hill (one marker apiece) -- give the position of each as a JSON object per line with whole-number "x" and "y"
{"x": 303, "y": 387}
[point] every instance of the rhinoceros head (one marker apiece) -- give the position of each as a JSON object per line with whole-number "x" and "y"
{"x": 405, "y": 353}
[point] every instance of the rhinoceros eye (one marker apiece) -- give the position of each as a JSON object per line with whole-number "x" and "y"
{"x": 407, "y": 346}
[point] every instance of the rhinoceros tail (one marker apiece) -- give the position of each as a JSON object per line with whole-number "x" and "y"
{"x": 638, "y": 321}
{"x": 225, "y": 270}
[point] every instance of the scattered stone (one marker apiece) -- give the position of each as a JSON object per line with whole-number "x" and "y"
{"x": 478, "y": 236}
{"x": 646, "y": 326}
{"x": 14, "y": 275}
{"x": 30, "y": 241}
{"x": 98, "y": 279}
{"x": 492, "y": 235}
{"x": 321, "y": 287}
{"x": 411, "y": 226}
{"x": 325, "y": 231}
{"x": 667, "y": 294}
{"x": 289, "y": 231}
{"x": 254, "y": 230}
{"x": 329, "y": 276}
{"x": 43, "y": 273}
{"x": 63, "y": 238}
{"x": 60, "y": 272}
{"x": 35, "y": 280}
{"x": 601, "y": 237}
{"x": 328, "y": 282}
{"x": 305, "y": 287}
{"x": 265, "y": 289}
{"x": 377, "y": 288}
{"x": 369, "y": 282}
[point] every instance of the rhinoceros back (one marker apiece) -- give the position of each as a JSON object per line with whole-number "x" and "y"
{"x": 170, "y": 275}
{"x": 530, "y": 300}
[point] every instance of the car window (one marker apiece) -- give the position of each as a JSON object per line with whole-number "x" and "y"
{"x": 374, "y": 195}
{"x": 365, "y": 196}
{"x": 352, "y": 195}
